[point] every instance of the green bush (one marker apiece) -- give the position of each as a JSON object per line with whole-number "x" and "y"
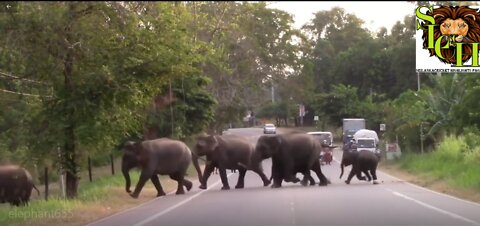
{"x": 455, "y": 160}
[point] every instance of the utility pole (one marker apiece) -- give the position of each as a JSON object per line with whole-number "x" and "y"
{"x": 273, "y": 93}
{"x": 421, "y": 123}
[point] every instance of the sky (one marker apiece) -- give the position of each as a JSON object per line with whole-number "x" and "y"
{"x": 374, "y": 14}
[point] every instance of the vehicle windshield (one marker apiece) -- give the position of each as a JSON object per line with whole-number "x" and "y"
{"x": 269, "y": 125}
{"x": 365, "y": 143}
{"x": 324, "y": 137}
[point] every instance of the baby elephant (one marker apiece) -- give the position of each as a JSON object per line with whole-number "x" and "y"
{"x": 16, "y": 185}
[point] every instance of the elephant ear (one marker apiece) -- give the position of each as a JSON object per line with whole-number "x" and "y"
{"x": 274, "y": 143}
{"x": 212, "y": 142}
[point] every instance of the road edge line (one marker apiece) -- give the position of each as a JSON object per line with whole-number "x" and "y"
{"x": 445, "y": 212}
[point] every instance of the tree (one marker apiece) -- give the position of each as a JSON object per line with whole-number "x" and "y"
{"x": 441, "y": 100}
{"x": 253, "y": 46}
{"x": 104, "y": 62}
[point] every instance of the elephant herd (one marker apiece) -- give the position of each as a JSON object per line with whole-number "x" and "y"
{"x": 290, "y": 154}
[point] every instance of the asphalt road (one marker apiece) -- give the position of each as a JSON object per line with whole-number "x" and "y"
{"x": 392, "y": 202}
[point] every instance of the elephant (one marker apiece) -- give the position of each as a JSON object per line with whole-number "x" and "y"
{"x": 162, "y": 156}
{"x": 362, "y": 161}
{"x": 227, "y": 152}
{"x": 16, "y": 185}
{"x": 290, "y": 153}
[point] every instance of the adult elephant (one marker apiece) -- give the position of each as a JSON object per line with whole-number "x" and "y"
{"x": 227, "y": 152}
{"x": 362, "y": 161}
{"x": 16, "y": 185}
{"x": 290, "y": 154}
{"x": 160, "y": 156}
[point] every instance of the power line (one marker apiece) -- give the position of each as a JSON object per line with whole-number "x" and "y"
{"x": 23, "y": 94}
{"x": 3, "y": 74}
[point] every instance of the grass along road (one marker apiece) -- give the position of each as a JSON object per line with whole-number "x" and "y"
{"x": 101, "y": 198}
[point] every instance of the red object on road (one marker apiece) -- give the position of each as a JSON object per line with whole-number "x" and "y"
{"x": 327, "y": 157}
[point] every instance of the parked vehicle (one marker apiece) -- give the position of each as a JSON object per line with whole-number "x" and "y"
{"x": 323, "y": 137}
{"x": 326, "y": 138}
{"x": 350, "y": 127}
{"x": 269, "y": 129}
{"x": 367, "y": 140}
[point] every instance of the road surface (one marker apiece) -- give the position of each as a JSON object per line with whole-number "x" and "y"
{"x": 393, "y": 202}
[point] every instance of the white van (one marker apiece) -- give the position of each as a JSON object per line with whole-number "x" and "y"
{"x": 326, "y": 137}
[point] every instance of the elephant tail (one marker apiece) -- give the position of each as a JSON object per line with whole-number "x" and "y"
{"x": 341, "y": 167}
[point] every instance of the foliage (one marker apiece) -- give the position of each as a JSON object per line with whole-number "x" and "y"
{"x": 454, "y": 161}
{"x": 103, "y": 61}
{"x": 189, "y": 114}
{"x": 282, "y": 110}
{"x": 253, "y": 48}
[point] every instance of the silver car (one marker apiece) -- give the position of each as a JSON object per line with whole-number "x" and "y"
{"x": 269, "y": 129}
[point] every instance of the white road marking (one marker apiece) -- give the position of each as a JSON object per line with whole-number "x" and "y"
{"x": 292, "y": 208}
{"x": 453, "y": 215}
{"x": 178, "y": 204}
{"x": 127, "y": 210}
{"x": 426, "y": 189}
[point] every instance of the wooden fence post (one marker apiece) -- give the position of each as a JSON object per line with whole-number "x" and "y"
{"x": 111, "y": 162}
{"x": 89, "y": 169}
{"x": 46, "y": 183}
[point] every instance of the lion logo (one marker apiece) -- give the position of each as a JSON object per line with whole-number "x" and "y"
{"x": 455, "y": 24}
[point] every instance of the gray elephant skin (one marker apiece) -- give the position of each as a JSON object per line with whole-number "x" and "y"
{"x": 162, "y": 156}
{"x": 291, "y": 153}
{"x": 16, "y": 185}
{"x": 227, "y": 152}
{"x": 361, "y": 161}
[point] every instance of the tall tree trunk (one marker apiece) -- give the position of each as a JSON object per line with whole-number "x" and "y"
{"x": 69, "y": 150}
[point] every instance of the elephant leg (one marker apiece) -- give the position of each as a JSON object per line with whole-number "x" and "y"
{"x": 259, "y": 170}
{"x": 158, "y": 186}
{"x": 367, "y": 174}
{"x": 306, "y": 178}
{"x": 311, "y": 180}
{"x": 179, "y": 177}
{"x": 208, "y": 170}
{"x": 358, "y": 173}
{"x": 276, "y": 175}
{"x": 188, "y": 184}
{"x": 289, "y": 172}
{"x": 351, "y": 174}
{"x": 223, "y": 177}
{"x": 144, "y": 176}
{"x": 241, "y": 178}
{"x": 373, "y": 171}
{"x": 318, "y": 170}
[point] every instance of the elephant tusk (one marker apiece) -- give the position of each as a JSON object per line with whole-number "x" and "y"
{"x": 242, "y": 165}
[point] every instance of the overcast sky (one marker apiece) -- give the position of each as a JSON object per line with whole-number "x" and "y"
{"x": 374, "y": 14}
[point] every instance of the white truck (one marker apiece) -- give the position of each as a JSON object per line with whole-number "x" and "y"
{"x": 350, "y": 127}
{"x": 366, "y": 140}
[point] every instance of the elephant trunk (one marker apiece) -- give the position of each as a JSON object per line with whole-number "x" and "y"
{"x": 197, "y": 167}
